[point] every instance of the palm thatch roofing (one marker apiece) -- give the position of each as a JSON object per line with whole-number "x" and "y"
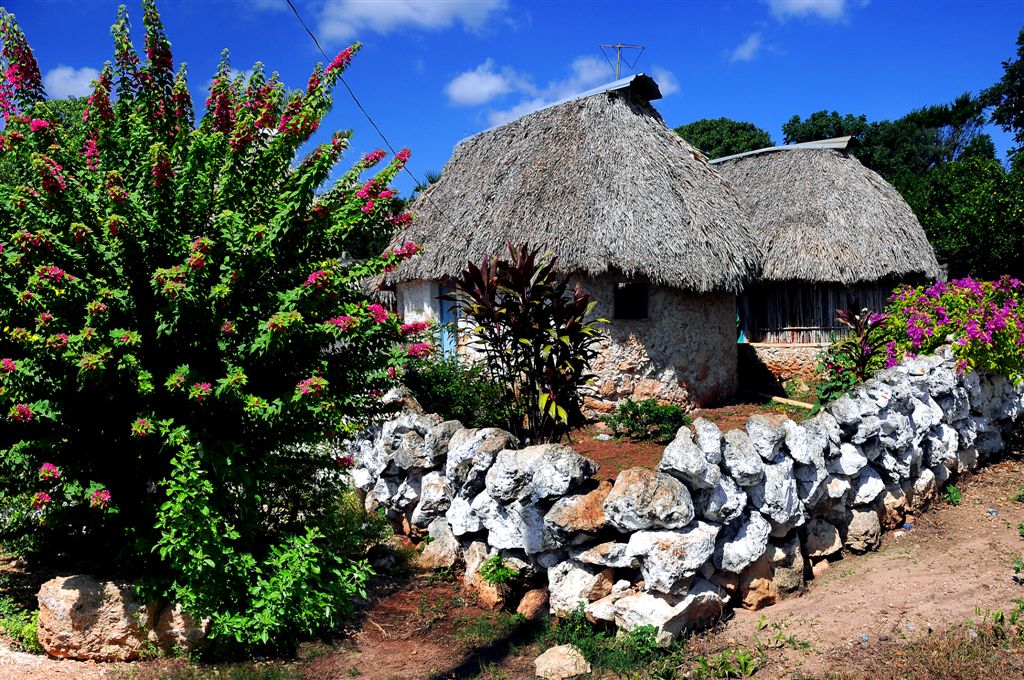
{"x": 821, "y": 216}
{"x": 600, "y": 181}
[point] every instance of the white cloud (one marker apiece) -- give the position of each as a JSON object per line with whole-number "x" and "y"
{"x": 482, "y": 84}
{"x": 829, "y": 10}
{"x": 667, "y": 82}
{"x": 348, "y": 19}
{"x": 748, "y": 49}
{"x": 584, "y": 73}
{"x": 66, "y": 81}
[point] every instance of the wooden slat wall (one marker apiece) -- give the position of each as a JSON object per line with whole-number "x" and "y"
{"x": 800, "y": 312}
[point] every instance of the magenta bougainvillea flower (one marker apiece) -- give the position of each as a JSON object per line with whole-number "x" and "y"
{"x": 99, "y": 499}
{"x": 48, "y": 472}
{"x": 41, "y": 500}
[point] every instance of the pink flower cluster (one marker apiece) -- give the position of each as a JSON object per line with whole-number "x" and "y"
{"x": 44, "y": 319}
{"x": 341, "y": 61}
{"x": 419, "y": 350}
{"x": 407, "y": 249}
{"x": 142, "y": 427}
{"x": 41, "y": 500}
{"x": 312, "y": 385}
{"x": 55, "y": 274}
{"x": 318, "y": 279}
{"x": 7, "y": 365}
{"x": 50, "y": 174}
{"x": 21, "y": 413}
{"x": 39, "y": 124}
{"x": 200, "y": 391}
{"x": 99, "y": 499}
{"x": 403, "y": 155}
{"x": 380, "y": 315}
{"x": 49, "y": 472}
{"x": 57, "y": 341}
{"x": 415, "y": 327}
{"x": 371, "y": 159}
{"x": 345, "y": 323}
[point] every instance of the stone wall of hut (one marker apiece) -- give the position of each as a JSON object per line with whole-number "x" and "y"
{"x": 684, "y": 352}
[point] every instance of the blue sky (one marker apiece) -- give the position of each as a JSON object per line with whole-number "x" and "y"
{"x": 433, "y": 72}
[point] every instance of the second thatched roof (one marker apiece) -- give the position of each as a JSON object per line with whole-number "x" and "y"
{"x": 820, "y": 215}
{"x": 602, "y": 182}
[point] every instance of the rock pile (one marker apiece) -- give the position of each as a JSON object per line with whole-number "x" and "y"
{"x": 740, "y": 518}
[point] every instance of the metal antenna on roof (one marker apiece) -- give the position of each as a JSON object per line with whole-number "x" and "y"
{"x": 618, "y": 47}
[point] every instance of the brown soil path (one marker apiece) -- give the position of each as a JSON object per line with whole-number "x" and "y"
{"x": 953, "y": 565}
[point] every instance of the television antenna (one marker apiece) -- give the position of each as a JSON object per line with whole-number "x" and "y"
{"x": 619, "y": 47}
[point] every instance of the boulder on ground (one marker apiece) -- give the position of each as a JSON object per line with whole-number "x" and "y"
{"x": 470, "y": 455}
{"x": 741, "y": 459}
{"x": 646, "y": 499}
{"x": 561, "y": 663}
{"x": 671, "y": 615}
{"x": 571, "y": 583}
{"x": 442, "y": 549}
{"x": 90, "y": 620}
{"x": 709, "y": 439}
{"x": 583, "y": 513}
{"x": 534, "y": 604}
{"x": 864, "y": 532}
{"x": 821, "y": 539}
{"x": 723, "y": 503}
{"x": 766, "y": 433}
{"x": 757, "y": 585}
{"x": 176, "y": 631}
{"x": 787, "y": 565}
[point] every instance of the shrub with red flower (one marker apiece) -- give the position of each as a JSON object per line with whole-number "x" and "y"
{"x": 48, "y": 472}
{"x": 191, "y": 300}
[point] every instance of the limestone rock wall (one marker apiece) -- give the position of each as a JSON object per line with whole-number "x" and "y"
{"x": 740, "y": 518}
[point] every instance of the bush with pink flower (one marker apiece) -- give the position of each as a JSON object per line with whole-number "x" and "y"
{"x": 983, "y": 321}
{"x": 183, "y": 317}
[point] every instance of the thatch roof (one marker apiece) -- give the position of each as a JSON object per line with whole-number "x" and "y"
{"x": 820, "y": 215}
{"x": 602, "y": 182}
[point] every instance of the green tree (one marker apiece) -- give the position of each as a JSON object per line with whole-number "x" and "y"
{"x": 823, "y": 125}
{"x": 972, "y": 211}
{"x": 718, "y": 137}
{"x": 1007, "y": 96}
{"x": 181, "y": 330}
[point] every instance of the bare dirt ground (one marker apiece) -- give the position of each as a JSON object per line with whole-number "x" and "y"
{"x": 860, "y": 619}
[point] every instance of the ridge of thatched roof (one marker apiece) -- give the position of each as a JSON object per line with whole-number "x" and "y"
{"x": 599, "y": 180}
{"x": 820, "y": 215}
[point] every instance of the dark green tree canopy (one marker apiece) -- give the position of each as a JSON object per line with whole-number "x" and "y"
{"x": 823, "y": 125}
{"x": 717, "y": 137}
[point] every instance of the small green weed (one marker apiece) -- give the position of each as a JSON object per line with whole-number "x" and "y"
{"x": 647, "y": 419}
{"x": 1019, "y": 496}
{"x": 731, "y": 663}
{"x": 497, "y": 573}
{"x": 629, "y": 652}
{"x": 1020, "y": 529}
{"x": 487, "y": 629}
{"x": 952, "y": 495}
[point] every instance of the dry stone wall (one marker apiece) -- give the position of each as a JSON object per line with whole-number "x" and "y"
{"x": 740, "y": 518}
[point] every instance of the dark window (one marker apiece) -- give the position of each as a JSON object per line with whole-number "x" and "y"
{"x": 630, "y": 300}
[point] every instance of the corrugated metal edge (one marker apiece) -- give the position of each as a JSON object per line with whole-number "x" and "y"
{"x": 834, "y": 143}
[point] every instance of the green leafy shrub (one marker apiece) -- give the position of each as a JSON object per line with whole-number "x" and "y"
{"x": 20, "y": 625}
{"x": 458, "y": 391}
{"x": 181, "y": 328}
{"x": 536, "y": 335}
{"x": 647, "y": 419}
{"x": 952, "y": 495}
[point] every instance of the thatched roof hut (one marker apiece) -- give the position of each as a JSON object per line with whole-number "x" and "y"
{"x": 598, "y": 179}
{"x": 820, "y": 215}
{"x": 652, "y": 231}
{"x": 832, "y": 234}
